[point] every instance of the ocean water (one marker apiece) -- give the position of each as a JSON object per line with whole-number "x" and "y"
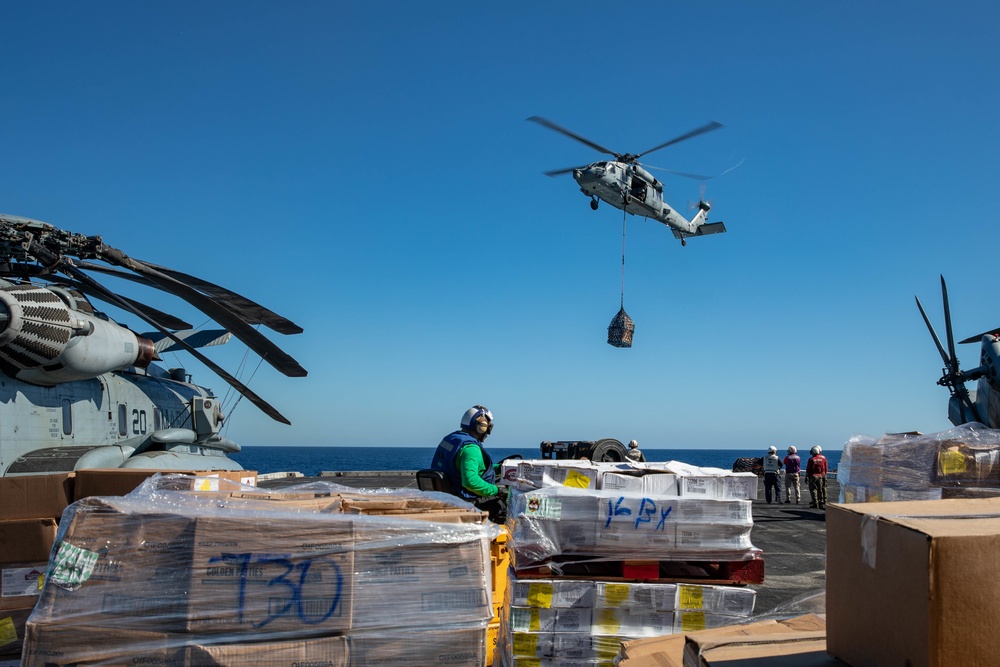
{"x": 310, "y": 461}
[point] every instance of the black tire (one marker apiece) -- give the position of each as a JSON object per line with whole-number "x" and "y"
{"x": 608, "y": 450}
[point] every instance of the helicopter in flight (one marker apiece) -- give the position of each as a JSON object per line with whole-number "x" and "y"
{"x": 983, "y": 404}
{"x": 625, "y": 184}
{"x": 79, "y": 390}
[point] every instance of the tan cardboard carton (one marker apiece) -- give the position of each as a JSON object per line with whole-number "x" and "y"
{"x": 120, "y": 570}
{"x": 913, "y": 582}
{"x": 271, "y": 575}
{"x": 801, "y": 649}
{"x": 26, "y": 540}
{"x": 20, "y": 584}
{"x": 60, "y": 645}
{"x": 318, "y": 652}
{"x": 35, "y": 496}
{"x": 460, "y": 647}
{"x": 121, "y": 481}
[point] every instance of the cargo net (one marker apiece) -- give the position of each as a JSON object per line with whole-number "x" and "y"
{"x": 621, "y": 329}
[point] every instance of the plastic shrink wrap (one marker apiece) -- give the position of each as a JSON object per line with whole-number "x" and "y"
{"x": 614, "y": 524}
{"x": 316, "y": 574}
{"x": 960, "y": 462}
{"x": 561, "y": 622}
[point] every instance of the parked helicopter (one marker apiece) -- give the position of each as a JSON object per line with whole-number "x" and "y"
{"x": 983, "y": 404}
{"x": 626, "y": 185}
{"x": 78, "y": 390}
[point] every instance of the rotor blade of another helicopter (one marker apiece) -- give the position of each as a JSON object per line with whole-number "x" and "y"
{"x": 252, "y": 338}
{"x": 560, "y": 172}
{"x": 937, "y": 341}
{"x": 251, "y": 311}
{"x": 67, "y": 267}
{"x": 166, "y": 319}
{"x": 193, "y": 337}
{"x": 544, "y": 122}
{"x": 977, "y": 338}
{"x": 947, "y": 326}
{"x": 708, "y": 127}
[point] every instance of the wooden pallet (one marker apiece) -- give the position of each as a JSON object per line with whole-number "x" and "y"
{"x": 658, "y": 571}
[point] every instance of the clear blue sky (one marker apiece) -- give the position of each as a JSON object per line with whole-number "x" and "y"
{"x": 366, "y": 170}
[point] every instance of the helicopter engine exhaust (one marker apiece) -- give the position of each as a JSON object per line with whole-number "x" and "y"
{"x": 45, "y": 342}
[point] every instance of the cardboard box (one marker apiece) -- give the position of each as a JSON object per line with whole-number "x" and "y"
{"x": 319, "y": 651}
{"x": 12, "y": 630}
{"x": 802, "y": 649}
{"x": 35, "y": 496}
{"x": 271, "y": 575}
{"x": 26, "y": 540}
{"x": 913, "y": 582}
{"x": 60, "y": 645}
{"x": 20, "y": 584}
{"x": 115, "y": 570}
{"x": 465, "y": 647}
{"x": 121, "y": 481}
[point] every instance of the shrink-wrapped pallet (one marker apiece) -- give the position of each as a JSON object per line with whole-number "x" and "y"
{"x": 174, "y": 576}
{"x": 960, "y": 462}
{"x": 563, "y": 521}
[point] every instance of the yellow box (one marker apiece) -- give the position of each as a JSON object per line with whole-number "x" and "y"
{"x": 492, "y": 639}
{"x": 500, "y": 559}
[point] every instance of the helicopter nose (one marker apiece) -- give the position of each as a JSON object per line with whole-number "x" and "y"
{"x": 578, "y": 174}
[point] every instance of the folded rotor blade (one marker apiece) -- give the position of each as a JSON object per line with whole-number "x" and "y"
{"x": 166, "y": 319}
{"x": 67, "y": 267}
{"x": 544, "y": 122}
{"x": 979, "y": 337}
{"x": 708, "y": 127}
{"x": 252, "y": 338}
{"x": 937, "y": 341}
{"x": 193, "y": 337}
{"x": 947, "y": 324}
{"x": 250, "y": 311}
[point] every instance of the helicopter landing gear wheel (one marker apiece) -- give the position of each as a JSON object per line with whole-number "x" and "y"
{"x": 593, "y": 204}
{"x": 683, "y": 241}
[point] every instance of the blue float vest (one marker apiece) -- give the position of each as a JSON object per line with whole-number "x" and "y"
{"x": 444, "y": 460}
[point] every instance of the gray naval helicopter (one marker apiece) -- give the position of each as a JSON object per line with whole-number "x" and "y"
{"x": 626, "y": 185}
{"x": 79, "y": 390}
{"x": 983, "y": 404}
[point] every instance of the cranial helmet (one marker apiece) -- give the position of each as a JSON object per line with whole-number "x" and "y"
{"x": 772, "y": 450}
{"x": 816, "y": 450}
{"x": 477, "y": 422}
{"x": 633, "y": 444}
{"x": 792, "y": 450}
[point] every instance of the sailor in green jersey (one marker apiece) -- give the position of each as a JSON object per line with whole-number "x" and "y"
{"x": 467, "y": 465}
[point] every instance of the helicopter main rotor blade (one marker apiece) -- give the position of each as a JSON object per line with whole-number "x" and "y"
{"x": 979, "y": 337}
{"x": 544, "y": 122}
{"x": 560, "y": 172}
{"x": 947, "y": 326}
{"x": 930, "y": 327}
{"x": 697, "y": 177}
{"x": 166, "y": 319}
{"x": 252, "y": 338}
{"x": 66, "y": 266}
{"x": 708, "y": 127}
{"x": 250, "y": 311}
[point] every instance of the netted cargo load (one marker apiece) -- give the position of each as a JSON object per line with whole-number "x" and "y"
{"x": 960, "y": 462}
{"x": 613, "y": 524}
{"x": 621, "y": 330}
{"x": 242, "y": 576}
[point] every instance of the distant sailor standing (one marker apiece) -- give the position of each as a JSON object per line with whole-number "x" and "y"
{"x": 793, "y": 464}
{"x": 816, "y": 474}
{"x": 467, "y": 465}
{"x": 772, "y": 467}
{"x": 634, "y": 453}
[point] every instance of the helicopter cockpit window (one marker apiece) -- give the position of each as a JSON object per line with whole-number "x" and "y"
{"x": 122, "y": 419}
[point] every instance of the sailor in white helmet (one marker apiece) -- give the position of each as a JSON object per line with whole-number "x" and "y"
{"x": 816, "y": 470}
{"x": 793, "y": 464}
{"x": 634, "y": 453}
{"x": 772, "y": 468}
{"x": 467, "y": 465}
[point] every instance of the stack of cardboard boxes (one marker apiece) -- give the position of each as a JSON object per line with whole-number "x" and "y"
{"x": 318, "y": 575}
{"x": 564, "y": 513}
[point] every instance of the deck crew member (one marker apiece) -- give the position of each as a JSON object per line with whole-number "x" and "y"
{"x": 634, "y": 453}
{"x": 793, "y": 464}
{"x": 467, "y": 465}
{"x": 816, "y": 474}
{"x": 772, "y": 468}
